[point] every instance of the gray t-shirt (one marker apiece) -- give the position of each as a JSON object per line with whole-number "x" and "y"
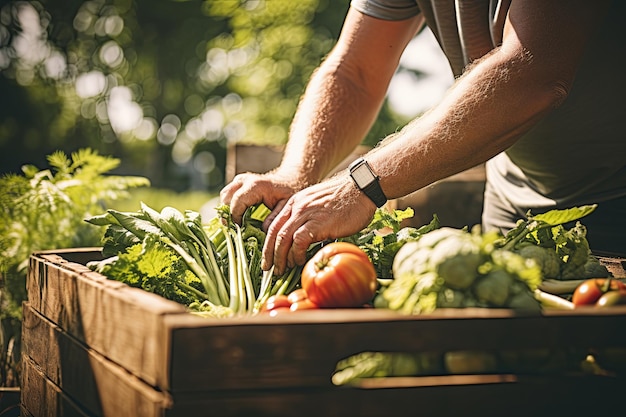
{"x": 464, "y": 34}
{"x": 577, "y": 154}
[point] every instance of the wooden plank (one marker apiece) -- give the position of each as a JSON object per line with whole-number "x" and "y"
{"x": 25, "y": 413}
{"x": 100, "y": 386}
{"x": 121, "y": 322}
{"x": 524, "y": 396}
{"x": 302, "y": 349}
{"x": 42, "y": 398}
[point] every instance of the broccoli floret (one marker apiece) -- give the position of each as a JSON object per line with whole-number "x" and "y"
{"x": 449, "y": 298}
{"x": 594, "y": 269}
{"x": 453, "y": 268}
{"x": 494, "y": 288}
{"x": 574, "y": 250}
{"x": 546, "y": 258}
{"x": 525, "y": 301}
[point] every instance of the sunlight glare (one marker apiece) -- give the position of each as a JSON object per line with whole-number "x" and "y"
{"x": 124, "y": 114}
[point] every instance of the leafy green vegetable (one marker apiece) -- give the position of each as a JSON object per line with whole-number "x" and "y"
{"x": 382, "y": 364}
{"x": 154, "y": 267}
{"x": 214, "y": 268}
{"x": 384, "y": 236}
{"x": 561, "y": 253}
{"x": 456, "y": 268}
{"x": 43, "y": 209}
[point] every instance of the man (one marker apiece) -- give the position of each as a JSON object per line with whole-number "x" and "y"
{"x": 538, "y": 95}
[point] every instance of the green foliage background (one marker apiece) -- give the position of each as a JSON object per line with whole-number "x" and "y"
{"x": 204, "y": 75}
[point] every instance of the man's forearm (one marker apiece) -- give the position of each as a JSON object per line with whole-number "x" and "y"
{"x": 333, "y": 117}
{"x": 483, "y": 114}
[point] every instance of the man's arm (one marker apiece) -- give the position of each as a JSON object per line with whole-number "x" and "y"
{"x": 498, "y": 99}
{"x": 345, "y": 94}
{"x": 337, "y": 109}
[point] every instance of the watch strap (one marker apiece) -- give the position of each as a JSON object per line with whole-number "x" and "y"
{"x": 372, "y": 190}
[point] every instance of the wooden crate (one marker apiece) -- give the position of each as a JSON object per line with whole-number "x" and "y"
{"x": 95, "y": 347}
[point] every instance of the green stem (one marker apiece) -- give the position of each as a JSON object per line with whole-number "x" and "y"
{"x": 193, "y": 290}
{"x": 286, "y": 282}
{"x": 265, "y": 290}
{"x": 241, "y": 284}
{"x": 232, "y": 273}
{"x": 208, "y": 280}
{"x": 243, "y": 262}
{"x": 218, "y": 275}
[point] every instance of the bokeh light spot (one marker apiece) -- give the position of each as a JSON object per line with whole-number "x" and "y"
{"x": 124, "y": 114}
{"x": 166, "y": 135}
{"x": 111, "y": 54}
{"x": 90, "y": 84}
{"x": 146, "y": 129}
{"x": 204, "y": 162}
{"x": 113, "y": 25}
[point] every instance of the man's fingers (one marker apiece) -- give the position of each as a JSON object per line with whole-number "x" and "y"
{"x": 238, "y": 205}
{"x": 235, "y": 195}
{"x": 272, "y": 239}
{"x": 292, "y": 241}
{"x": 244, "y": 191}
{"x": 303, "y": 237}
{"x": 226, "y": 194}
{"x": 281, "y": 249}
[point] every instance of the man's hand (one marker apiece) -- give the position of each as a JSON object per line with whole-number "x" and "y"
{"x": 329, "y": 210}
{"x": 271, "y": 189}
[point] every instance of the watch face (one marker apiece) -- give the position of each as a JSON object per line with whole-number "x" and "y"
{"x": 362, "y": 176}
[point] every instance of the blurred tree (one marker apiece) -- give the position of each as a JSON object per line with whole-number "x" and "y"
{"x": 164, "y": 85}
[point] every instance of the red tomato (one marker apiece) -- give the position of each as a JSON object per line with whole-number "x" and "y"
{"x": 276, "y": 301}
{"x": 590, "y": 290}
{"x": 339, "y": 275}
{"x": 297, "y": 295}
{"x": 304, "y": 304}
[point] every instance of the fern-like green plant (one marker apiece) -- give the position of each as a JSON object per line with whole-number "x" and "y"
{"x": 45, "y": 209}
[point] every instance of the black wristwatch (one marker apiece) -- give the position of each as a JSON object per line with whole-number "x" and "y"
{"x": 367, "y": 181}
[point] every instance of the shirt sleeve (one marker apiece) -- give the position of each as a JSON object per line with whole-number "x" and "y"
{"x": 387, "y": 9}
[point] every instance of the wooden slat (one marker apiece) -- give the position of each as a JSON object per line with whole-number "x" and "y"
{"x": 302, "y": 349}
{"x": 537, "y": 397}
{"x": 42, "y": 398}
{"x": 24, "y": 412}
{"x": 97, "y": 384}
{"x": 121, "y": 322}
